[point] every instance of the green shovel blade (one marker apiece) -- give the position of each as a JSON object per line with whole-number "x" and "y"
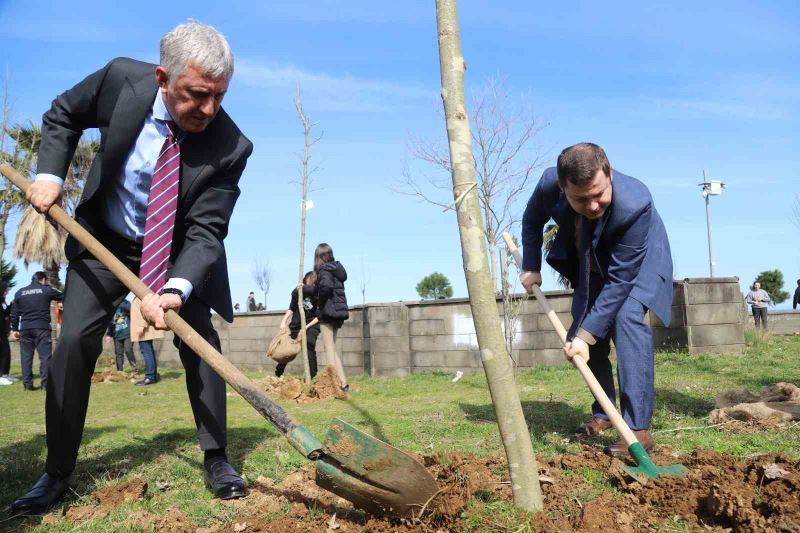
{"x": 373, "y": 475}
{"x": 646, "y": 469}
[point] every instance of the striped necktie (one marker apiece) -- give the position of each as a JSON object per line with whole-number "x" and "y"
{"x": 162, "y": 205}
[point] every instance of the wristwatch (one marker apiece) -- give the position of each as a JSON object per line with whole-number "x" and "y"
{"x": 172, "y": 290}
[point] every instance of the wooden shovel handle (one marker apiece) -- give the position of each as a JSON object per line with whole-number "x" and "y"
{"x": 232, "y": 375}
{"x": 586, "y": 373}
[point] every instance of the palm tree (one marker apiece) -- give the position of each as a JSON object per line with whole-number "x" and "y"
{"x": 38, "y": 240}
{"x": 549, "y": 238}
{"x": 26, "y": 141}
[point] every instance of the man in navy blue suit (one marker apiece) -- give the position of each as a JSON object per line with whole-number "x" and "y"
{"x": 612, "y": 247}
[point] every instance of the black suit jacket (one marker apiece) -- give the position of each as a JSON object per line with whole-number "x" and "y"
{"x": 116, "y": 99}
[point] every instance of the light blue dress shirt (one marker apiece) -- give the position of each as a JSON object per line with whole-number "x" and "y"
{"x": 124, "y": 202}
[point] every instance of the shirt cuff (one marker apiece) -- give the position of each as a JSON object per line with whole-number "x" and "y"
{"x": 183, "y": 285}
{"x": 50, "y": 177}
{"x": 585, "y": 336}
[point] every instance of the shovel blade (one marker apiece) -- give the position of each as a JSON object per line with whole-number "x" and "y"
{"x": 373, "y": 475}
{"x": 646, "y": 469}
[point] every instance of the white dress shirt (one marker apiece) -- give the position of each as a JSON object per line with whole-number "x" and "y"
{"x": 124, "y": 203}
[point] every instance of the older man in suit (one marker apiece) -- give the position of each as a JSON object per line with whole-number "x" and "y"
{"x": 159, "y": 195}
{"x": 613, "y": 248}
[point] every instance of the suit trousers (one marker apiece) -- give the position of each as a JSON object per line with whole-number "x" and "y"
{"x": 633, "y": 341}
{"x": 92, "y": 294}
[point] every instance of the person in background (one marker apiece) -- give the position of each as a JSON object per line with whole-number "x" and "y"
{"x": 331, "y": 304}
{"x": 144, "y": 334}
{"x": 251, "y": 301}
{"x": 758, "y": 300}
{"x": 260, "y": 307}
{"x": 120, "y": 331}
{"x": 796, "y": 299}
{"x": 30, "y": 323}
{"x": 237, "y": 309}
{"x": 292, "y": 320}
{"x": 5, "y": 349}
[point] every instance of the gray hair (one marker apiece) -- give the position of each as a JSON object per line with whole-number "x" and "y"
{"x": 198, "y": 44}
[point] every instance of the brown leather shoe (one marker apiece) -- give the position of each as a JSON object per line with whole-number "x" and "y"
{"x": 620, "y": 448}
{"x": 595, "y": 426}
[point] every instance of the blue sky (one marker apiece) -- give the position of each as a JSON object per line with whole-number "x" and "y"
{"x": 668, "y": 91}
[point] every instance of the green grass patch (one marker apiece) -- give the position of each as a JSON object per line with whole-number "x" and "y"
{"x": 149, "y": 431}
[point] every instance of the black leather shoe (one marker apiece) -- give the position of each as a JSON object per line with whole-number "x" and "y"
{"x": 47, "y": 492}
{"x": 147, "y": 381}
{"x": 224, "y": 481}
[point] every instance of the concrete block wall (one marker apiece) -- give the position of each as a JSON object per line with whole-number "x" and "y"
{"x": 713, "y": 311}
{"x": 402, "y": 338}
{"x": 778, "y": 322}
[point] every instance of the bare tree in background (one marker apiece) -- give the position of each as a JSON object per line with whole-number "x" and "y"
{"x": 364, "y": 280}
{"x": 308, "y": 142}
{"x": 796, "y": 211}
{"x": 513, "y": 299}
{"x": 502, "y": 133}
{"x": 262, "y": 274}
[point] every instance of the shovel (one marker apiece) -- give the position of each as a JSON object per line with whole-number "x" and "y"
{"x": 371, "y": 474}
{"x": 646, "y": 469}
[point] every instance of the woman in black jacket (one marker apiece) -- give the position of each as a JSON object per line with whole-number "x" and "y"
{"x": 331, "y": 304}
{"x": 291, "y": 320}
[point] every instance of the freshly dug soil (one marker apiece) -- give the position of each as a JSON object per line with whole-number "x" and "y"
{"x": 326, "y": 386}
{"x": 107, "y": 499}
{"x": 114, "y": 376}
{"x": 719, "y": 493}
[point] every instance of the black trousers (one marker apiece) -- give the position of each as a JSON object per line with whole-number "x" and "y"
{"x": 92, "y": 294}
{"x": 5, "y": 355}
{"x": 311, "y": 344}
{"x": 40, "y": 340}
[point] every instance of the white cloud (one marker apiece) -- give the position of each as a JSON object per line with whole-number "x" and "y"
{"x": 329, "y": 92}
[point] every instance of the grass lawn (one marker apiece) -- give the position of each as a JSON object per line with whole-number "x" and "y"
{"x": 149, "y": 432}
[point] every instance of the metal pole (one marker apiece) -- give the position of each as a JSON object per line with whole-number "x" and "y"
{"x": 708, "y": 229}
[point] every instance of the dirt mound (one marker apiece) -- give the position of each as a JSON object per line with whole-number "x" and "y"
{"x": 719, "y": 493}
{"x": 115, "y": 495}
{"x": 114, "y": 376}
{"x": 326, "y": 386}
{"x": 172, "y": 520}
{"x": 776, "y": 404}
{"x": 107, "y": 499}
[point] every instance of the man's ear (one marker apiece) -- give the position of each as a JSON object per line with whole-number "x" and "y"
{"x": 610, "y": 173}
{"x": 162, "y": 77}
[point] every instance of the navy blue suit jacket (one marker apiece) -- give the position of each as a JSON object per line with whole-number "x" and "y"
{"x": 629, "y": 245}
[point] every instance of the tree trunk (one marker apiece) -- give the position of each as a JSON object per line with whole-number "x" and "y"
{"x": 301, "y": 265}
{"x": 52, "y": 272}
{"x": 522, "y": 463}
{"x": 3, "y": 220}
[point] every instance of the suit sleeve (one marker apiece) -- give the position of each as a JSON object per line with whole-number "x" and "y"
{"x": 533, "y": 220}
{"x": 623, "y": 268}
{"x": 207, "y": 222}
{"x": 71, "y": 113}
